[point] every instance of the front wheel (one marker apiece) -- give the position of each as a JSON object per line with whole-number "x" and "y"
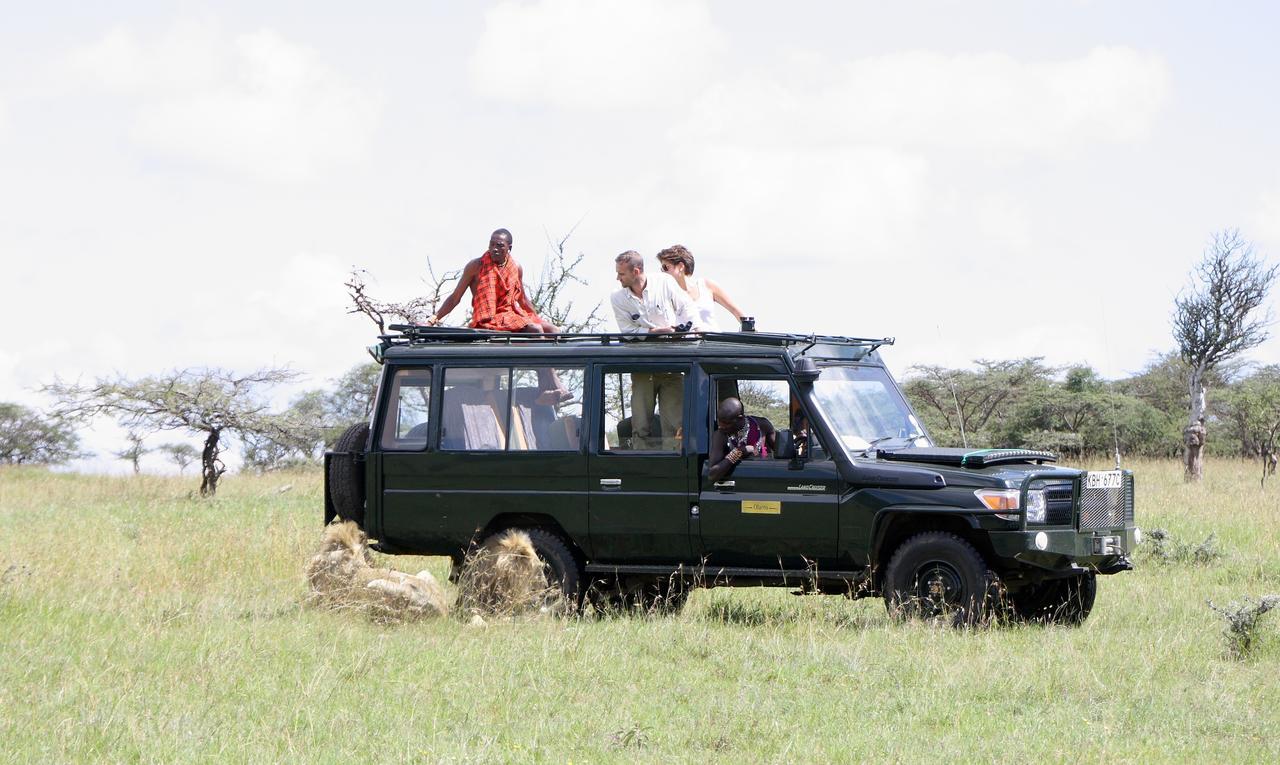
{"x": 939, "y": 575}
{"x": 1056, "y": 601}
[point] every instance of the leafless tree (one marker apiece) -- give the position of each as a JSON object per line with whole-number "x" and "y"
{"x": 548, "y": 295}
{"x": 385, "y": 312}
{"x": 211, "y": 402}
{"x": 1214, "y": 320}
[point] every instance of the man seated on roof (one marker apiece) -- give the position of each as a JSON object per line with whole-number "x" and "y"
{"x": 498, "y": 301}
{"x": 738, "y": 437}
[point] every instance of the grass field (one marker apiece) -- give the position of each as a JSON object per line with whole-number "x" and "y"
{"x": 139, "y": 624}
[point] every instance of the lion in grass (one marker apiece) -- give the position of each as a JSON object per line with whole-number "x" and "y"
{"x": 505, "y": 577}
{"x": 342, "y": 575}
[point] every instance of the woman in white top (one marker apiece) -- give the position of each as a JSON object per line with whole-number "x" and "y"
{"x": 677, "y": 261}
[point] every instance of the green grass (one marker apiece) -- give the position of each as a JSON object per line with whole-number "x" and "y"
{"x": 140, "y": 624}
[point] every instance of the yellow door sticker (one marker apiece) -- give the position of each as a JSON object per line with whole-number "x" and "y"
{"x": 762, "y": 508}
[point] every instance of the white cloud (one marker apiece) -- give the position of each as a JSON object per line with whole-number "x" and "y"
{"x": 256, "y": 103}
{"x": 988, "y": 101}
{"x": 599, "y": 54}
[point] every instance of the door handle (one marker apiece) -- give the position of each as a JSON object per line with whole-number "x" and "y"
{"x": 725, "y": 484}
{"x": 611, "y": 483}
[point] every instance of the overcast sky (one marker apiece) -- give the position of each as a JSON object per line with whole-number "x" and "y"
{"x": 186, "y": 184}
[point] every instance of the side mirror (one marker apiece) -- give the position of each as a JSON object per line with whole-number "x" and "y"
{"x": 806, "y": 371}
{"x": 786, "y": 446}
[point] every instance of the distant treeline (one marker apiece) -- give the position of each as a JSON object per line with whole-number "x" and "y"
{"x": 1073, "y": 411}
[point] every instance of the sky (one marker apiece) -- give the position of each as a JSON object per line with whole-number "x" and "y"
{"x": 186, "y": 184}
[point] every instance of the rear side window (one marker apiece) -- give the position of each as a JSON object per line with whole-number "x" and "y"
{"x": 511, "y": 409}
{"x": 473, "y": 409}
{"x": 405, "y": 428}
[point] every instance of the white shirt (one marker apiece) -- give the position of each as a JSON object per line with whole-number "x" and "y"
{"x": 662, "y": 304}
{"x": 705, "y": 305}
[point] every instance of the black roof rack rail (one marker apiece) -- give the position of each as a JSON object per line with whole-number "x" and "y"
{"x": 413, "y": 334}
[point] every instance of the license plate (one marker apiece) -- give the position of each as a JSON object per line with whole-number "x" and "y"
{"x": 1111, "y": 479}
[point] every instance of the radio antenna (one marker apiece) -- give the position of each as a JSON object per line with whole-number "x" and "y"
{"x": 964, "y": 439}
{"x": 1106, "y": 348}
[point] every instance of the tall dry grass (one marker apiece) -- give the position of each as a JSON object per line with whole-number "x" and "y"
{"x": 138, "y": 623}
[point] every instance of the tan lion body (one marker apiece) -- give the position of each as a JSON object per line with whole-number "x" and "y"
{"x": 342, "y": 575}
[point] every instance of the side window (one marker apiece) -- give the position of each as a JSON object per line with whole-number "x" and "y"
{"x": 405, "y": 427}
{"x": 474, "y": 408}
{"x": 772, "y": 400}
{"x": 546, "y": 409}
{"x": 643, "y": 411}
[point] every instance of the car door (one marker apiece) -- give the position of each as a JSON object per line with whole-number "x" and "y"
{"x": 770, "y": 512}
{"x": 640, "y": 468}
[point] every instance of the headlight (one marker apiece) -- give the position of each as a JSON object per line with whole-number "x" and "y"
{"x": 1000, "y": 499}
{"x": 1035, "y": 506}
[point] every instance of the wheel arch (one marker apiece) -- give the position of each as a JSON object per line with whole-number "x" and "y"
{"x": 894, "y": 525}
{"x": 528, "y": 521}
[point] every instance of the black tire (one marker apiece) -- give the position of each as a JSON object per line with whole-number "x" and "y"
{"x": 1056, "y": 601}
{"x": 346, "y": 476}
{"x": 562, "y": 567}
{"x": 939, "y": 575}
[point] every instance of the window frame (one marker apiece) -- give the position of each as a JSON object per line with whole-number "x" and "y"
{"x": 393, "y": 402}
{"x": 508, "y": 415}
{"x": 603, "y": 370}
{"x": 713, "y": 401}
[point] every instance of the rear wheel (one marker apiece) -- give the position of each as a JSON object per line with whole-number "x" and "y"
{"x": 346, "y": 475}
{"x": 1056, "y": 601}
{"x": 937, "y": 575}
{"x": 559, "y": 564}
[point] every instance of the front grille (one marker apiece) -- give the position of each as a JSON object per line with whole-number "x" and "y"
{"x": 1057, "y": 504}
{"x": 1107, "y": 508}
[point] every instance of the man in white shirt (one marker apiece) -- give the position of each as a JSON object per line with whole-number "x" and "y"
{"x": 655, "y": 305}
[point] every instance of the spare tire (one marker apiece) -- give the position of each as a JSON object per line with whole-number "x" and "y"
{"x": 346, "y": 473}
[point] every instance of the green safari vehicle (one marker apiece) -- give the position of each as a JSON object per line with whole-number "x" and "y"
{"x": 597, "y": 445}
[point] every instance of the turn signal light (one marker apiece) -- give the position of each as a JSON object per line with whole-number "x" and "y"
{"x": 998, "y": 499}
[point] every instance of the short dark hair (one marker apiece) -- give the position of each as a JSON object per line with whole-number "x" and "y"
{"x": 678, "y": 253}
{"x": 730, "y": 408}
{"x": 632, "y": 258}
{"x": 505, "y": 233}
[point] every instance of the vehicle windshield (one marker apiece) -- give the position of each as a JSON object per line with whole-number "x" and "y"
{"x": 864, "y": 408}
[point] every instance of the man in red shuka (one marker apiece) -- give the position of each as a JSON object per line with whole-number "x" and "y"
{"x": 498, "y": 301}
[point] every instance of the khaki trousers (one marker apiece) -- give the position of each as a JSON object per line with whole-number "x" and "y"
{"x": 666, "y": 389}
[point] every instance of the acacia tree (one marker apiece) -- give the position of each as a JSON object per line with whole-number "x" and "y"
{"x": 28, "y": 437}
{"x": 968, "y": 405}
{"x": 134, "y": 452}
{"x": 180, "y": 454}
{"x": 211, "y": 402}
{"x": 1253, "y": 407}
{"x": 1215, "y": 320}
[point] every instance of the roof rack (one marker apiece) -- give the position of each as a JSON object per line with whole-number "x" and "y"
{"x": 413, "y": 334}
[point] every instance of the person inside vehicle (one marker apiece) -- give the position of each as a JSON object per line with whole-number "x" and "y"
{"x": 498, "y": 300}
{"x": 738, "y": 437}
{"x": 677, "y": 262}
